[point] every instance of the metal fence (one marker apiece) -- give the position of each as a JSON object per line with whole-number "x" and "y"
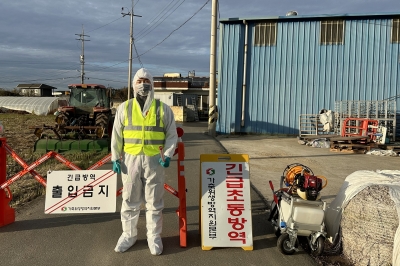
{"x": 383, "y": 111}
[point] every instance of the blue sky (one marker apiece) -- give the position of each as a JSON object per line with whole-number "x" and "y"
{"x": 38, "y": 42}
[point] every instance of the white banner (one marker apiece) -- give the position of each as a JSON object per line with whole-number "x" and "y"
{"x": 226, "y": 205}
{"x": 81, "y": 191}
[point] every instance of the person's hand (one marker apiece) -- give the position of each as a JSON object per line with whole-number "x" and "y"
{"x": 117, "y": 166}
{"x": 164, "y": 163}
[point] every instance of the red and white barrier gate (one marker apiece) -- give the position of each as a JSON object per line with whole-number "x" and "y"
{"x": 7, "y": 214}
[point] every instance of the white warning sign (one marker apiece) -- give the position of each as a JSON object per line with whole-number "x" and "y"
{"x": 81, "y": 191}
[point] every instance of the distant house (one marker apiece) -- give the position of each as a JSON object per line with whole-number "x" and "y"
{"x": 191, "y": 91}
{"x": 61, "y": 92}
{"x": 36, "y": 90}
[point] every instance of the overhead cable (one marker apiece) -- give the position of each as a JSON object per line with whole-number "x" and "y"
{"x": 138, "y": 57}
{"x": 140, "y": 35}
{"x": 175, "y": 29}
{"x": 154, "y": 18}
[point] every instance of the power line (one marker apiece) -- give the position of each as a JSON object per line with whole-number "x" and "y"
{"x": 111, "y": 65}
{"x": 161, "y": 21}
{"x": 138, "y": 57}
{"x": 175, "y": 29}
{"x": 54, "y": 75}
{"x": 143, "y": 32}
{"x": 32, "y": 80}
{"x": 149, "y": 23}
{"x": 105, "y": 24}
{"x": 109, "y": 80}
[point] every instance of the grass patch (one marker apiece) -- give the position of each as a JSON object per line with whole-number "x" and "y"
{"x": 21, "y": 140}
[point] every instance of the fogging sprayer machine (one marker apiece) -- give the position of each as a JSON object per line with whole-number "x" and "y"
{"x": 297, "y": 209}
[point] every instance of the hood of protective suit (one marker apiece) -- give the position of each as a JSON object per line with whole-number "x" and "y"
{"x": 144, "y": 73}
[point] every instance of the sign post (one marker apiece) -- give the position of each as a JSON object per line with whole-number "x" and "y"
{"x": 81, "y": 191}
{"x": 225, "y": 203}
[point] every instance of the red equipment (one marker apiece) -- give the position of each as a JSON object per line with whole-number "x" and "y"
{"x": 7, "y": 214}
{"x": 364, "y": 127}
{"x": 309, "y": 186}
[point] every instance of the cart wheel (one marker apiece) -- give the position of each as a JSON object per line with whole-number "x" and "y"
{"x": 318, "y": 248}
{"x": 283, "y": 244}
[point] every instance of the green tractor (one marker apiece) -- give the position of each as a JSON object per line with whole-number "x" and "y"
{"x": 84, "y": 125}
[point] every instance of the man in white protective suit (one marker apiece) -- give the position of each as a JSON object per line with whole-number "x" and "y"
{"x": 141, "y": 126}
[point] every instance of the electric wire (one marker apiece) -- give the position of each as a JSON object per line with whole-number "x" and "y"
{"x": 154, "y": 18}
{"x": 118, "y": 81}
{"x": 138, "y": 57}
{"x": 29, "y": 81}
{"x": 44, "y": 76}
{"x": 106, "y": 24}
{"x": 154, "y": 26}
{"x": 77, "y": 47}
{"x": 175, "y": 29}
{"x": 144, "y": 35}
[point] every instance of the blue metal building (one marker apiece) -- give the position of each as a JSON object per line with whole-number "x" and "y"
{"x": 271, "y": 70}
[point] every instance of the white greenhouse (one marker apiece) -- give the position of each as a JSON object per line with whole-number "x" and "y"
{"x": 34, "y": 105}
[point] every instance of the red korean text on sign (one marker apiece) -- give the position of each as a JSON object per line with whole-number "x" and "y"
{"x": 235, "y": 199}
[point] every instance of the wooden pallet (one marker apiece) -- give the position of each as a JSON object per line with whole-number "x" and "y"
{"x": 320, "y": 136}
{"x": 350, "y": 140}
{"x": 350, "y": 144}
{"x": 350, "y": 148}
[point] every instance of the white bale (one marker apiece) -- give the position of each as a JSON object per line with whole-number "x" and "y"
{"x": 369, "y": 224}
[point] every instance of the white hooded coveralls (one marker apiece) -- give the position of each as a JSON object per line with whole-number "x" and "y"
{"x": 142, "y": 176}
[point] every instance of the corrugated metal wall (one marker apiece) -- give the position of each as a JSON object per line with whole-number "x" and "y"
{"x": 300, "y": 76}
{"x": 230, "y": 76}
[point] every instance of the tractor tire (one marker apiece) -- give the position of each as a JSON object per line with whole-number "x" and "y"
{"x": 62, "y": 119}
{"x": 283, "y": 244}
{"x": 102, "y": 120}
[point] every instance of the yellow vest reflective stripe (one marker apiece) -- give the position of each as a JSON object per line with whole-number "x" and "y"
{"x": 143, "y": 133}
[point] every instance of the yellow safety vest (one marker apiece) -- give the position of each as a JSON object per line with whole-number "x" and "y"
{"x": 143, "y": 133}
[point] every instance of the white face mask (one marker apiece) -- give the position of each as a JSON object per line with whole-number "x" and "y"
{"x": 143, "y": 89}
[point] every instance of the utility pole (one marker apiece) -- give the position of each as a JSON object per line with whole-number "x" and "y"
{"x": 131, "y": 14}
{"x": 212, "y": 111}
{"x": 82, "y": 58}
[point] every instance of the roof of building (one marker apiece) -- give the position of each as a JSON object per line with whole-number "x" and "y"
{"x": 183, "y": 82}
{"x": 316, "y": 17}
{"x": 35, "y": 86}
